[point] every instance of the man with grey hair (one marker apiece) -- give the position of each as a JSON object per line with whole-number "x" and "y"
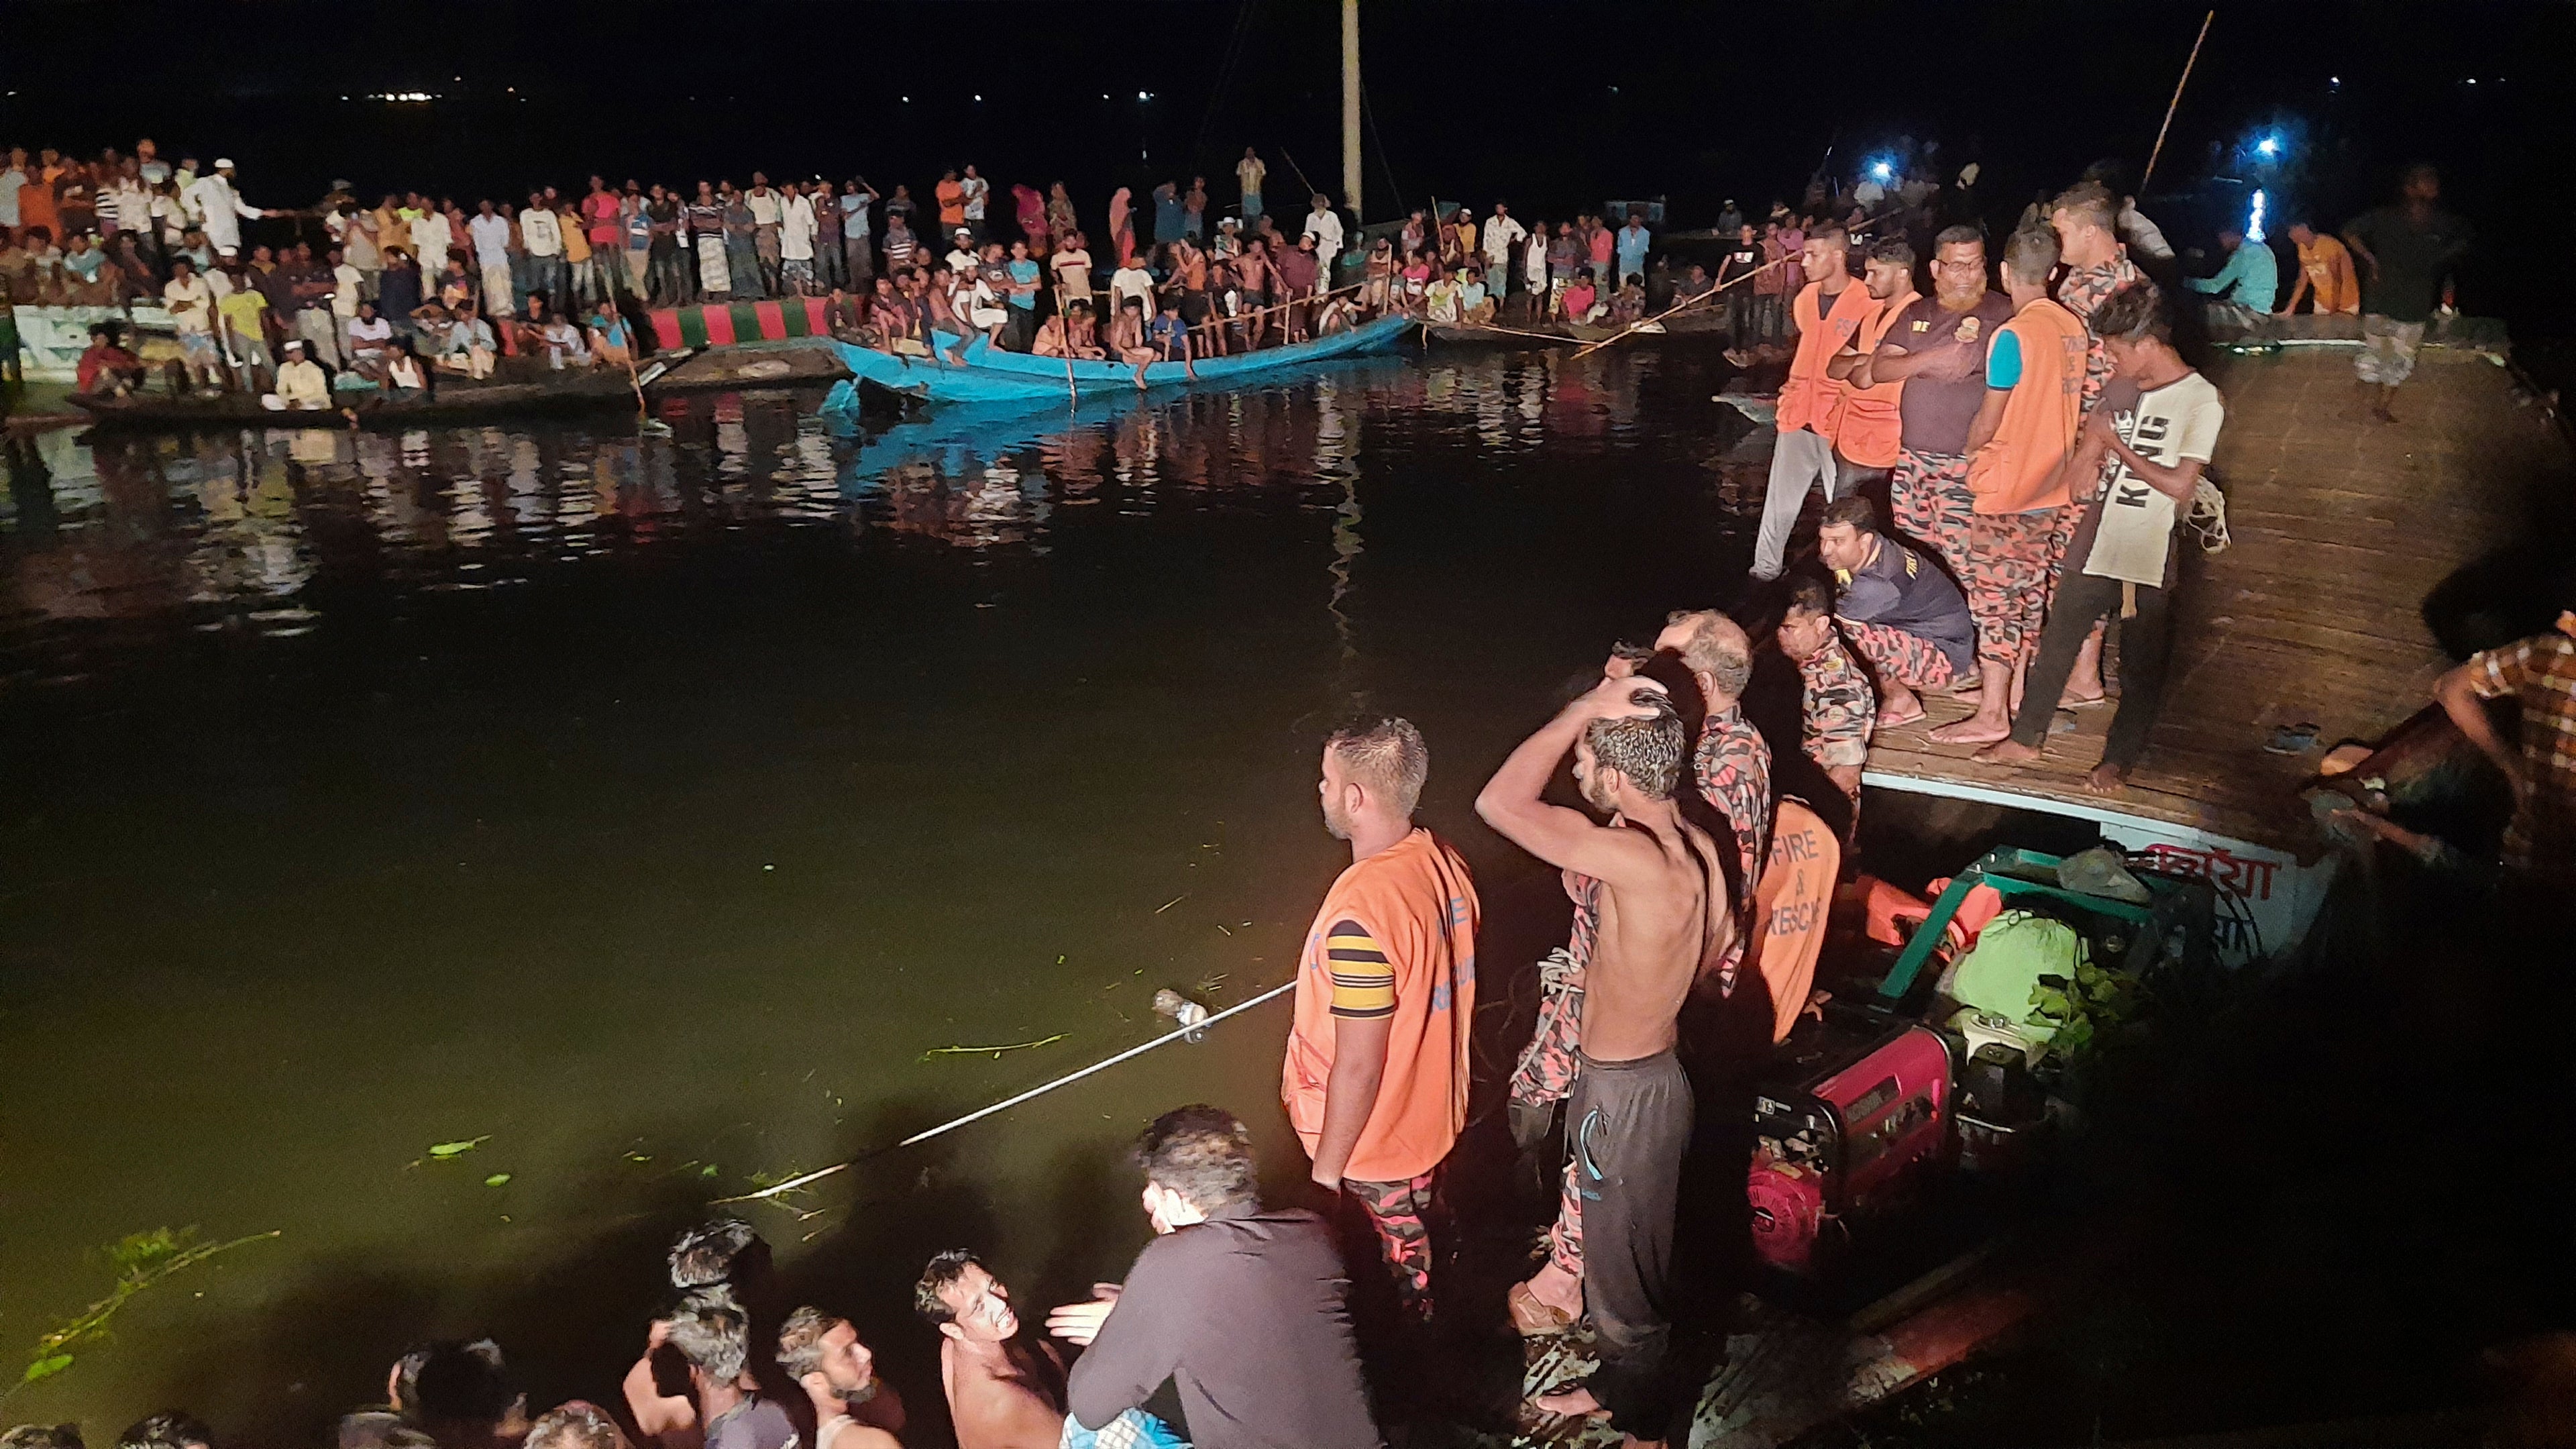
{"x": 1731, "y": 764}
{"x": 1375, "y": 1078}
{"x": 714, "y": 1339}
{"x": 1664, "y": 921}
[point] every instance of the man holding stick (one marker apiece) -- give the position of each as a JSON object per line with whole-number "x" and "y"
{"x": 1663, "y": 917}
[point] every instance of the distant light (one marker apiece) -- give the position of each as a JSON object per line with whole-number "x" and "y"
{"x": 1881, "y": 170}
{"x": 979, "y": 98}
{"x": 2473, "y": 80}
{"x": 2254, "y": 221}
{"x": 1140, "y": 95}
{"x": 401, "y": 96}
{"x": 2268, "y": 146}
{"x": 907, "y": 100}
{"x": 2334, "y": 80}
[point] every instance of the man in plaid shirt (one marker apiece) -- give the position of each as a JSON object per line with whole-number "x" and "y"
{"x": 2539, "y": 673}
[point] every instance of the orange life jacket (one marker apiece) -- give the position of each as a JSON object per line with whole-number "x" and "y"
{"x": 1809, "y": 399}
{"x": 1791, "y": 904}
{"x": 1417, "y": 902}
{"x": 1871, "y": 428}
{"x": 2013, "y": 472}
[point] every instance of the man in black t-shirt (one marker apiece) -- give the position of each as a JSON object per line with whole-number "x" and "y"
{"x": 1734, "y": 273}
{"x": 2405, "y": 252}
{"x": 1240, "y": 1308}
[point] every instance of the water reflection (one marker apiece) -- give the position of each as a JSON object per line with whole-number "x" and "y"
{"x": 229, "y": 530}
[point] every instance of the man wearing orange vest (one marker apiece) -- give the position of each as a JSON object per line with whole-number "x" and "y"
{"x": 1827, "y": 313}
{"x": 1872, "y": 425}
{"x": 1375, "y": 1080}
{"x": 2023, "y": 433}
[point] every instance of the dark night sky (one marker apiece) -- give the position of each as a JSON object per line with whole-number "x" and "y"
{"x": 1473, "y": 98}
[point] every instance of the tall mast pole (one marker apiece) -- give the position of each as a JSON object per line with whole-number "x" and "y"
{"x": 1351, "y": 107}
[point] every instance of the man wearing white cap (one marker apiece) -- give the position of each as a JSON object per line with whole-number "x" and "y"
{"x": 301, "y": 383}
{"x": 222, "y": 207}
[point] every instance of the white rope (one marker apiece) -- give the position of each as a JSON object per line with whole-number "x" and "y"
{"x": 1191, "y": 1031}
{"x": 2208, "y": 516}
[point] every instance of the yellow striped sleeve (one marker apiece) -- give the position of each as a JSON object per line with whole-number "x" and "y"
{"x": 1363, "y": 979}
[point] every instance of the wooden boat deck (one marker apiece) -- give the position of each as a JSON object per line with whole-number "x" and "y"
{"x": 2341, "y": 529}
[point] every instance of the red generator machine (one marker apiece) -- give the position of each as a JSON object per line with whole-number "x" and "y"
{"x": 1856, "y": 1115}
{"x": 1867, "y": 1111}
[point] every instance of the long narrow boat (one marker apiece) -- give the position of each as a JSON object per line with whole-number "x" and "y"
{"x": 456, "y": 400}
{"x": 990, "y": 374}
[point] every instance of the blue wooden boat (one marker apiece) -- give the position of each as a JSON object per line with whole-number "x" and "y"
{"x": 991, "y": 375}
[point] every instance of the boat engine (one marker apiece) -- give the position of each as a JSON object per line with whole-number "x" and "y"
{"x": 1858, "y": 1110}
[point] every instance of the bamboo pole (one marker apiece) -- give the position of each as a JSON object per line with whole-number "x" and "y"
{"x": 2175, "y": 102}
{"x": 1682, "y": 306}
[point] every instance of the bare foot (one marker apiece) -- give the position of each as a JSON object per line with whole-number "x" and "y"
{"x": 1976, "y": 729}
{"x": 1899, "y": 716}
{"x": 1574, "y": 1403}
{"x": 2006, "y": 752}
{"x": 2107, "y": 779}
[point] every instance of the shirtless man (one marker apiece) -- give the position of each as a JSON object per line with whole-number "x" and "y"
{"x": 853, "y": 1408}
{"x": 1003, "y": 1393}
{"x": 1663, "y": 919}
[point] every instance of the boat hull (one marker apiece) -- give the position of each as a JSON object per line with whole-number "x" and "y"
{"x": 991, "y": 375}
{"x": 454, "y": 402}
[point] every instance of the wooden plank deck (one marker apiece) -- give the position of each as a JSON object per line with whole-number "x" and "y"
{"x": 2341, "y": 528}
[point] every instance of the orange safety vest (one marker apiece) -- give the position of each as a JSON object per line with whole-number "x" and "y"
{"x": 1417, "y": 901}
{"x": 1809, "y": 399}
{"x": 1871, "y": 428}
{"x": 1791, "y": 904}
{"x": 2016, "y": 471}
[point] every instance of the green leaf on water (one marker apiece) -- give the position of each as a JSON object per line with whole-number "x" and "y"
{"x": 45, "y": 1368}
{"x": 639, "y": 1157}
{"x": 444, "y": 1150}
{"x": 498, "y": 1179}
{"x": 707, "y": 1171}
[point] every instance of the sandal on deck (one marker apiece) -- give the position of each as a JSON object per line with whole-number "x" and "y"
{"x": 1533, "y": 1318}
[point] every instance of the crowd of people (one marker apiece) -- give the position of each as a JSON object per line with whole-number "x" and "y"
{"x": 415, "y": 284}
{"x": 2043, "y": 446}
{"x": 2044, "y": 442}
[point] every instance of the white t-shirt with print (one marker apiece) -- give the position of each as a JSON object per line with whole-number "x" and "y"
{"x": 2169, "y": 424}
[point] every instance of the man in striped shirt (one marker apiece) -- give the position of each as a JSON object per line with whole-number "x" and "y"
{"x": 1375, "y": 1079}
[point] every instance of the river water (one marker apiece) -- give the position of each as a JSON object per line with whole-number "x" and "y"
{"x": 656, "y": 809}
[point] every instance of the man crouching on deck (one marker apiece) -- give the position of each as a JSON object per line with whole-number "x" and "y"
{"x": 1663, "y": 918}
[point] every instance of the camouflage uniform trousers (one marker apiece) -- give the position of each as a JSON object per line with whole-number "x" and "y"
{"x": 2010, "y": 568}
{"x": 1399, "y": 1214}
{"x": 1909, "y": 659}
{"x": 1928, "y": 494}
{"x": 1543, "y": 1077}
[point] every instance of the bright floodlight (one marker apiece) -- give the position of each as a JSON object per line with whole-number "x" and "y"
{"x": 2254, "y": 220}
{"x": 1881, "y": 170}
{"x": 2268, "y": 146}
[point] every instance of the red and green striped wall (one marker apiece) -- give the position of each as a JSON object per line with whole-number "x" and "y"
{"x": 726, "y": 323}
